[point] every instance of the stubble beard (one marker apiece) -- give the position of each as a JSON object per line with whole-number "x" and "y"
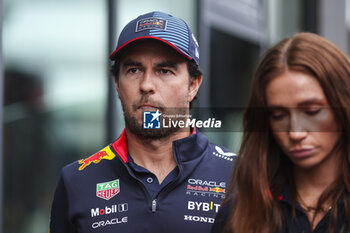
{"x": 135, "y": 125}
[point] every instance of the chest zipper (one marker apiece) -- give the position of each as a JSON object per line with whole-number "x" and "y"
{"x": 154, "y": 205}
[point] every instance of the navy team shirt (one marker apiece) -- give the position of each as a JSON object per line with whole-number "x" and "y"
{"x": 107, "y": 192}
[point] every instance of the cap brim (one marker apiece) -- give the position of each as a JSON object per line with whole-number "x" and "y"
{"x": 114, "y": 55}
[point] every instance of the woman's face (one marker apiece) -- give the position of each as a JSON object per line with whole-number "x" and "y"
{"x": 301, "y": 119}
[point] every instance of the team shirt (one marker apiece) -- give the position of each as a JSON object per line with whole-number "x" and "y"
{"x": 107, "y": 192}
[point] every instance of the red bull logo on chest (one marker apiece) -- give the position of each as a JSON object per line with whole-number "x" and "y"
{"x": 107, "y": 190}
{"x": 105, "y": 153}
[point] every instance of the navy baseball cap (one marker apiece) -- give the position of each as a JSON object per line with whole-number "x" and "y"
{"x": 163, "y": 27}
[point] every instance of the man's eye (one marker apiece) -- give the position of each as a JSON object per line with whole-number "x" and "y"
{"x": 133, "y": 70}
{"x": 165, "y": 71}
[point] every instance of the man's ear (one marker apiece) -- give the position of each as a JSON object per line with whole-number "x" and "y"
{"x": 194, "y": 86}
{"x": 116, "y": 81}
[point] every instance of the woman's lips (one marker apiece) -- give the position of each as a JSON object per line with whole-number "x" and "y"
{"x": 302, "y": 153}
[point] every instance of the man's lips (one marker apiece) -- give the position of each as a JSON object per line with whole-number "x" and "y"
{"x": 147, "y": 106}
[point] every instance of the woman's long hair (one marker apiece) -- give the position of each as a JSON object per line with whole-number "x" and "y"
{"x": 261, "y": 173}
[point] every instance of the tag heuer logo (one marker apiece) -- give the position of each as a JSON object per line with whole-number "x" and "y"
{"x": 107, "y": 190}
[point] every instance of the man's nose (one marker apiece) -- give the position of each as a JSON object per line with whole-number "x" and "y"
{"x": 147, "y": 84}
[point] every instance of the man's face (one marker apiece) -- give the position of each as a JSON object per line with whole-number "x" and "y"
{"x": 154, "y": 77}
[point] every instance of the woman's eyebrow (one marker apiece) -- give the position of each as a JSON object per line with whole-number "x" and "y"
{"x": 311, "y": 102}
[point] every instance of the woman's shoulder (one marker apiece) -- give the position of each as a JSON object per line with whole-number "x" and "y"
{"x": 222, "y": 217}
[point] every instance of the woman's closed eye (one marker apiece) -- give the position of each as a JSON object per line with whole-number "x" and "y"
{"x": 277, "y": 114}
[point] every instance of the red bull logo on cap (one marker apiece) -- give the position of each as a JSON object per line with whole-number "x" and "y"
{"x": 151, "y": 23}
{"x": 105, "y": 153}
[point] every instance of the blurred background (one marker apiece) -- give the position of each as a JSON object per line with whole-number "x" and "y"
{"x": 59, "y": 101}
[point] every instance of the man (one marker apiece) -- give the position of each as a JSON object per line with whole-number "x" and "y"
{"x": 165, "y": 179}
